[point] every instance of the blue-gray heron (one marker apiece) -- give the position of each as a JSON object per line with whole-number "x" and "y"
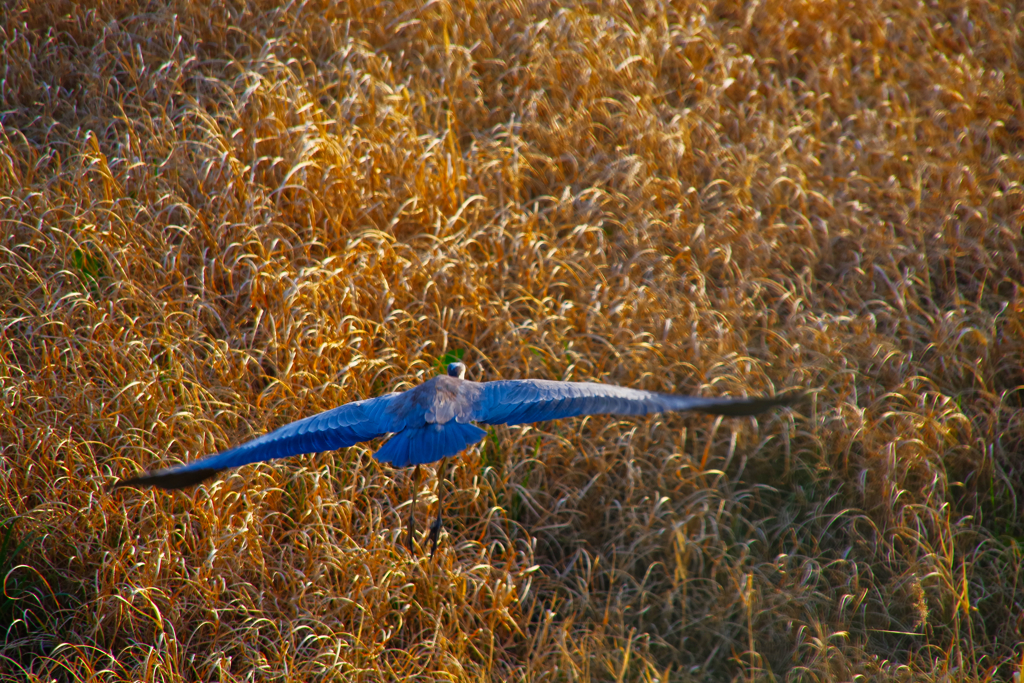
{"x": 432, "y": 421}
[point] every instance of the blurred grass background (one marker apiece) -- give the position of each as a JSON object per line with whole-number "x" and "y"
{"x": 219, "y": 217}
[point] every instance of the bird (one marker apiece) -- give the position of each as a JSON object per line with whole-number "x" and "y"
{"x": 433, "y": 421}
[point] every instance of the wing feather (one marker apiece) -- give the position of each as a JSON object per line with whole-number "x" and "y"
{"x": 333, "y": 429}
{"x": 532, "y": 400}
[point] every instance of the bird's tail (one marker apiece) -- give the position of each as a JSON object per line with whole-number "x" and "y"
{"x": 427, "y": 444}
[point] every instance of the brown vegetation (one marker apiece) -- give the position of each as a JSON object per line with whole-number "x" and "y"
{"x": 218, "y": 218}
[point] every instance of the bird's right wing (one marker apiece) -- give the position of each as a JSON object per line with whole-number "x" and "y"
{"x": 532, "y": 400}
{"x": 336, "y": 428}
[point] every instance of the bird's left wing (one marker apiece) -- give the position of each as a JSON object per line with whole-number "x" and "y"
{"x": 532, "y": 400}
{"x": 337, "y": 428}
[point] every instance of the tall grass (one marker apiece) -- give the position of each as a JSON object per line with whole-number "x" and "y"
{"x": 216, "y": 218}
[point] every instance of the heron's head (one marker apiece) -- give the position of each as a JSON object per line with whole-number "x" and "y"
{"x": 457, "y": 369}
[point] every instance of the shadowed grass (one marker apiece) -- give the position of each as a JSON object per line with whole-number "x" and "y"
{"x": 216, "y": 218}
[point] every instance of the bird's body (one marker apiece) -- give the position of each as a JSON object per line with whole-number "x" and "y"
{"x": 433, "y": 421}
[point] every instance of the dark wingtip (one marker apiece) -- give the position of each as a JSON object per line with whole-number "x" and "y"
{"x": 169, "y": 479}
{"x": 754, "y": 406}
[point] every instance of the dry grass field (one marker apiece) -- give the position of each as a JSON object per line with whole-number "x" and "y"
{"x": 216, "y": 218}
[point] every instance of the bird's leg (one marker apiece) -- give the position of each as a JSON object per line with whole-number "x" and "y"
{"x": 435, "y": 528}
{"x": 412, "y": 506}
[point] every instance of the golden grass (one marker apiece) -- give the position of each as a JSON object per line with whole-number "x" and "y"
{"x": 218, "y": 218}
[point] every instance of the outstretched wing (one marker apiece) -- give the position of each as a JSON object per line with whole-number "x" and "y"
{"x": 532, "y": 400}
{"x": 336, "y": 428}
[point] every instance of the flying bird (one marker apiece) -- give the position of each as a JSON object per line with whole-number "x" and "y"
{"x": 433, "y": 421}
